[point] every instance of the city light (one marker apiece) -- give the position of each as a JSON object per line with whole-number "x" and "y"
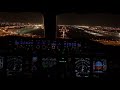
{"x": 102, "y": 34}
{"x": 15, "y": 28}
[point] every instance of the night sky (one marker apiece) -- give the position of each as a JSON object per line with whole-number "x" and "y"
{"x": 69, "y": 18}
{"x": 24, "y": 17}
{"x": 89, "y": 19}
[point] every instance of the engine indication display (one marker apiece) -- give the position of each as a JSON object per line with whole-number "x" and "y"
{"x": 82, "y": 67}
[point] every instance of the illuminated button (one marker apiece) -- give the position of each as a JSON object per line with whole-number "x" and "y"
{"x": 43, "y": 47}
{"x": 65, "y": 44}
{"x": 34, "y": 68}
{"x": 1, "y": 62}
{"x": 69, "y": 44}
{"x": 79, "y": 45}
{"x": 37, "y": 47}
{"x": 62, "y": 61}
{"x": 16, "y": 42}
{"x": 28, "y": 49}
{"x": 53, "y": 47}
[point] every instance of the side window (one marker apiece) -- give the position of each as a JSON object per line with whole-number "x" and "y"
{"x": 24, "y": 24}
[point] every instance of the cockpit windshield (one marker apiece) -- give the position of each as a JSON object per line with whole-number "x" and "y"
{"x": 99, "y": 27}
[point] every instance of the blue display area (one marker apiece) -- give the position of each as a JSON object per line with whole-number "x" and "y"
{"x": 99, "y": 66}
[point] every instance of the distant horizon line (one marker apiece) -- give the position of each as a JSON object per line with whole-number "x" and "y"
{"x": 84, "y": 25}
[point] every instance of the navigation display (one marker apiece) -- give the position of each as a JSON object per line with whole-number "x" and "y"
{"x": 82, "y": 67}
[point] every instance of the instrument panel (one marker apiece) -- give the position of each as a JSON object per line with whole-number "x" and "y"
{"x": 52, "y": 59}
